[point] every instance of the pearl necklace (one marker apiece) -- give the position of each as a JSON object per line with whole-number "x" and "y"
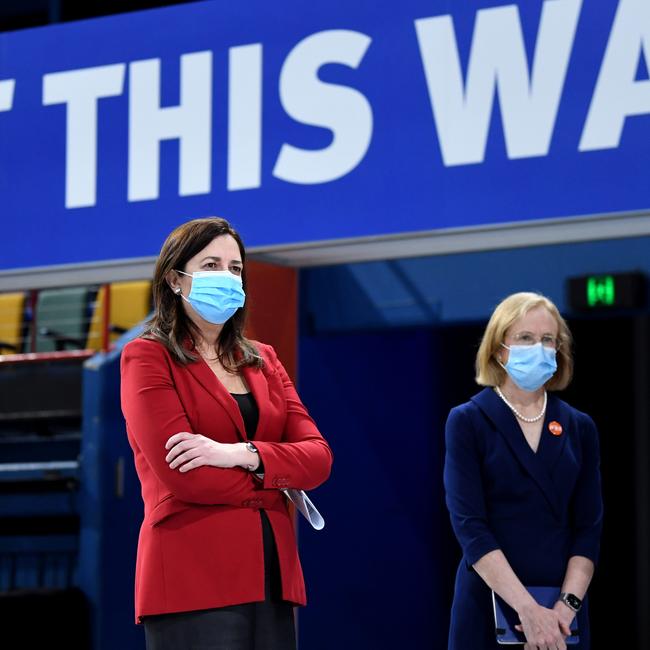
{"x": 516, "y": 412}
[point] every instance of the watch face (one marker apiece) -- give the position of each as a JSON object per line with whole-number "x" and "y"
{"x": 573, "y": 601}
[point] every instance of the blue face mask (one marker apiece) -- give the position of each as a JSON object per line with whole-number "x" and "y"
{"x": 215, "y": 295}
{"x": 530, "y": 366}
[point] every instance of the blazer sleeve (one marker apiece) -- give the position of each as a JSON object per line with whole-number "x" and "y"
{"x": 587, "y": 506}
{"x": 154, "y": 412}
{"x": 302, "y": 460}
{"x": 464, "y": 489}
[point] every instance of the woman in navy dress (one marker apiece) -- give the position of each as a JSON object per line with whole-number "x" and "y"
{"x": 522, "y": 483}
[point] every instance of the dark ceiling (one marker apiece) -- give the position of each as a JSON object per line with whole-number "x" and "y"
{"x": 20, "y": 14}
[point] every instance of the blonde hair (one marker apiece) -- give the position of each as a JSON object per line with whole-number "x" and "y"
{"x": 488, "y": 370}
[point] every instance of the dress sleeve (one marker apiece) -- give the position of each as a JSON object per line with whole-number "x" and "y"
{"x": 464, "y": 488}
{"x": 587, "y": 503}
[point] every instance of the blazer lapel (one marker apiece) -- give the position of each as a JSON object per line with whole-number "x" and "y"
{"x": 202, "y": 373}
{"x": 553, "y": 439}
{"x": 506, "y": 423}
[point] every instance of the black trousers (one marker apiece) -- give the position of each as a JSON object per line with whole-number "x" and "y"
{"x": 267, "y": 625}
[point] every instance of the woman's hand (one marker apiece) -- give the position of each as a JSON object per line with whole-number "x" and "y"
{"x": 541, "y": 626}
{"x": 191, "y": 450}
{"x": 566, "y": 616}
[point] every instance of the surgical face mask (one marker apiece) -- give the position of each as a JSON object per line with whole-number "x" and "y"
{"x": 215, "y": 295}
{"x": 530, "y": 366}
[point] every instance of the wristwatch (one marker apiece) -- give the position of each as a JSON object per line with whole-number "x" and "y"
{"x": 253, "y": 449}
{"x": 571, "y": 601}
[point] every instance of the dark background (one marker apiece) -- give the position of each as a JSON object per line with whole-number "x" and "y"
{"x": 386, "y": 561}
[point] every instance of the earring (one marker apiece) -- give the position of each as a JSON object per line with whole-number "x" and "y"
{"x": 177, "y": 290}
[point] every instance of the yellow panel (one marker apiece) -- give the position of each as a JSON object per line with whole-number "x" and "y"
{"x": 12, "y": 306}
{"x": 95, "y": 329}
{"x": 130, "y": 303}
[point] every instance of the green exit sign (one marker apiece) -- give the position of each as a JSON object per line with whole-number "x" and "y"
{"x": 601, "y": 291}
{"x": 607, "y": 291}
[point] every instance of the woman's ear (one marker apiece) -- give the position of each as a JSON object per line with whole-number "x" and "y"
{"x": 173, "y": 281}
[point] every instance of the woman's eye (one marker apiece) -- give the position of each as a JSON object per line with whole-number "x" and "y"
{"x": 235, "y": 269}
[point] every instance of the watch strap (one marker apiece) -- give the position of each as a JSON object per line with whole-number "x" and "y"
{"x": 571, "y": 601}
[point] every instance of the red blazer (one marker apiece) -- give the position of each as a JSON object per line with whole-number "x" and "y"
{"x": 200, "y": 544}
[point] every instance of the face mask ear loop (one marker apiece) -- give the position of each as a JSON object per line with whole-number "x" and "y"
{"x": 497, "y": 358}
{"x": 180, "y": 293}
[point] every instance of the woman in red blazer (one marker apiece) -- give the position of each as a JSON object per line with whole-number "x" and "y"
{"x": 217, "y": 564}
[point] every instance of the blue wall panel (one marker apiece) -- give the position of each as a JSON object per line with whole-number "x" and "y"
{"x": 111, "y": 511}
{"x": 378, "y": 574}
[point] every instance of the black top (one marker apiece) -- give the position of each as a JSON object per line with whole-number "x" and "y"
{"x": 272, "y": 580}
{"x": 249, "y": 412}
{"x": 251, "y": 415}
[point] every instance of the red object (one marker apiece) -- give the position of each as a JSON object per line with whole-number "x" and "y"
{"x": 555, "y": 428}
{"x": 200, "y": 543}
{"x": 272, "y": 301}
{"x": 39, "y": 357}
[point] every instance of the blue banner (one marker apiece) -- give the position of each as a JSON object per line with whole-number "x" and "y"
{"x": 304, "y": 123}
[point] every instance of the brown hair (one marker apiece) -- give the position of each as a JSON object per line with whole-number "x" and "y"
{"x": 488, "y": 370}
{"x": 170, "y": 324}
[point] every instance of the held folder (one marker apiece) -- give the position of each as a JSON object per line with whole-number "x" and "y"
{"x": 505, "y": 618}
{"x": 308, "y": 510}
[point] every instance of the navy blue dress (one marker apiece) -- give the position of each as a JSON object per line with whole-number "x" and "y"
{"x": 540, "y": 508}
